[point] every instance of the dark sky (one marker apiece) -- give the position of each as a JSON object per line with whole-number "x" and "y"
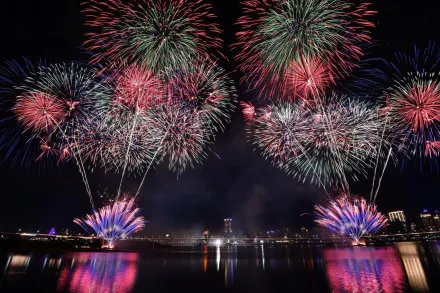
{"x": 240, "y": 185}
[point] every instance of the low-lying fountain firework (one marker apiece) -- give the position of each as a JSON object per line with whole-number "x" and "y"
{"x": 350, "y": 216}
{"x": 114, "y": 221}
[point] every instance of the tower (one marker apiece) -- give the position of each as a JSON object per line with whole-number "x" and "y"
{"x": 228, "y": 225}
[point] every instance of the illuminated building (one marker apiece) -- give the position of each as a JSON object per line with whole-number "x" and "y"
{"x": 413, "y": 228}
{"x": 427, "y": 221}
{"x": 397, "y": 222}
{"x": 228, "y": 225}
{"x": 436, "y": 219}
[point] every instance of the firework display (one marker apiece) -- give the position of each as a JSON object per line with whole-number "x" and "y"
{"x": 275, "y": 33}
{"x": 350, "y": 216}
{"x": 413, "y": 101}
{"x": 157, "y": 34}
{"x": 112, "y": 222}
{"x": 324, "y": 144}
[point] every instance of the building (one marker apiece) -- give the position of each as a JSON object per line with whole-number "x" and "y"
{"x": 397, "y": 222}
{"x": 427, "y": 221}
{"x": 413, "y": 228}
{"x": 228, "y": 225}
{"x": 436, "y": 219}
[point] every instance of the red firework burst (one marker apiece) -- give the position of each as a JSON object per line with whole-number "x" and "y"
{"x": 248, "y": 111}
{"x": 39, "y": 111}
{"x": 418, "y": 105}
{"x": 308, "y": 78}
{"x": 138, "y": 88}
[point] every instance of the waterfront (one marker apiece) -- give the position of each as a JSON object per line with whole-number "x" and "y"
{"x": 402, "y": 267}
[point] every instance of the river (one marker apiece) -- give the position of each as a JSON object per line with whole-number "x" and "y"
{"x": 402, "y": 267}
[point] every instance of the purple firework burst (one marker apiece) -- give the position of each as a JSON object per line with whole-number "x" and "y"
{"x": 351, "y": 216}
{"x": 118, "y": 219}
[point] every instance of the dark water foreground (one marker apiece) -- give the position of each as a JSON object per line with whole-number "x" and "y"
{"x": 403, "y": 267}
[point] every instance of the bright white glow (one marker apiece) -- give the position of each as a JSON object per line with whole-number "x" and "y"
{"x": 261, "y": 241}
{"x": 218, "y": 242}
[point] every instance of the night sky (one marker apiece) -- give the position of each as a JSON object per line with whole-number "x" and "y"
{"x": 240, "y": 185}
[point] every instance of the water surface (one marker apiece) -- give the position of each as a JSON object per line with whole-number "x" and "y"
{"x": 403, "y": 267}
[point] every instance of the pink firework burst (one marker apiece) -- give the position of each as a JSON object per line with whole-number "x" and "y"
{"x": 417, "y": 104}
{"x": 138, "y": 88}
{"x": 38, "y": 111}
{"x": 308, "y": 78}
{"x": 248, "y": 111}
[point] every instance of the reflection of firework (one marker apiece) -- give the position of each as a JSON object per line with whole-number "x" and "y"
{"x": 350, "y": 216}
{"x": 155, "y": 34}
{"x": 275, "y": 33}
{"x": 99, "y": 272}
{"x": 364, "y": 271}
{"x": 119, "y": 219}
{"x": 325, "y": 143}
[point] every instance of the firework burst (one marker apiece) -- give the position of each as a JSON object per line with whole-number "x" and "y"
{"x": 184, "y": 135}
{"x": 309, "y": 78}
{"x": 275, "y": 33}
{"x": 325, "y": 144}
{"x": 114, "y": 221}
{"x": 156, "y": 34}
{"x": 350, "y": 216}
{"x": 138, "y": 88}
{"x": 203, "y": 87}
{"x": 39, "y": 112}
{"x": 413, "y": 102}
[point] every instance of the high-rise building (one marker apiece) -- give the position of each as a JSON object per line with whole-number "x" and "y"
{"x": 427, "y": 221}
{"x": 397, "y": 222}
{"x": 413, "y": 227}
{"x": 436, "y": 219}
{"x": 228, "y": 225}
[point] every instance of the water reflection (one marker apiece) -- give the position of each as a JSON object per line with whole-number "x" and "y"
{"x": 360, "y": 270}
{"x": 99, "y": 272}
{"x": 413, "y": 266}
{"x": 17, "y": 263}
{"x": 403, "y": 267}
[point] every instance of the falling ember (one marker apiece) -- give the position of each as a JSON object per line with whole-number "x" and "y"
{"x": 39, "y": 111}
{"x": 350, "y": 216}
{"x": 117, "y": 220}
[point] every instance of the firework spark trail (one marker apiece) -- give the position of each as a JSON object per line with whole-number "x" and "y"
{"x": 156, "y": 34}
{"x": 139, "y": 89}
{"x": 350, "y": 216}
{"x": 151, "y": 163}
{"x": 383, "y": 172}
{"x": 114, "y": 221}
